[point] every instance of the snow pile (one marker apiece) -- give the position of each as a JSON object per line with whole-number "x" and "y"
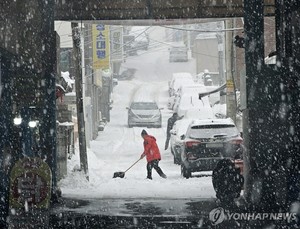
{"x": 67, "y": 78}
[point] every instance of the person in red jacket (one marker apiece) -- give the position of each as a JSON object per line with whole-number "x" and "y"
{"x": 151, "y": 151}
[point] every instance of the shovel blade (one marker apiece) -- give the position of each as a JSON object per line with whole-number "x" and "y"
{"x": 119, "y": 174}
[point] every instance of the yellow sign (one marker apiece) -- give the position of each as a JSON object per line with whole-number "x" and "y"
{"x": 230, "y": 86}
{"x": 100, "y": 46}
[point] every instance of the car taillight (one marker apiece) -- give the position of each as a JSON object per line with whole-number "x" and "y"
{"x": 236, "y": 142}
{"x": 190, "y": 144}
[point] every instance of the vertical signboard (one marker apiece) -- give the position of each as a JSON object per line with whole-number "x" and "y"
{"x": 116, "y": 37}
{"x": 101, "y": 53}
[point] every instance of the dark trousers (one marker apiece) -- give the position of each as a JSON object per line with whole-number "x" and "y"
{"x": 151, "y": 165}
{"x": 167, "y": 141}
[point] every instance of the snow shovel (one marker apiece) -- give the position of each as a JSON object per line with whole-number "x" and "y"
{"x": 122, "y": 174}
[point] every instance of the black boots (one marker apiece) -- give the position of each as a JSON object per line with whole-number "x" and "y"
{"x": 163, "y": 175}
{"x": 160, "y": 172}
{"x": 149, "y": 175}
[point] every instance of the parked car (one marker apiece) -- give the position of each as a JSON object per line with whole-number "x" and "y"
{"x": 178, "y": 53}
{"x": 171, "y": 101}
{"x": 178, "y": 79}
{"x": 144, "y": 113}
{"x": 176, "y": 140}
{"x": 193, "y": 88}
{"x": 207, "y": 142}
{"x": 190, "y": 101}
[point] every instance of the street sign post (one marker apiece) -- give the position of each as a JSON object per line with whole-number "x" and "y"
{"x": 30, "y": 193}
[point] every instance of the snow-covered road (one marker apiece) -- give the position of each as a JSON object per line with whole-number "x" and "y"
{"x": 118, "y": 147}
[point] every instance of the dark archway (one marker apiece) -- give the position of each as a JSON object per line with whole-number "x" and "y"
{"x": 28, "y": 53}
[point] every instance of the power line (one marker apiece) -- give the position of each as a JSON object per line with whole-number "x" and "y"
{"x": 203, "y": 31}
{"x": 162, "y": 45}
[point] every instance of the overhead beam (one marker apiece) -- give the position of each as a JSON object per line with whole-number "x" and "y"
{"x": 152, "y": 10}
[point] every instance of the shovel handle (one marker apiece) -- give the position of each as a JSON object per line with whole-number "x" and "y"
{"x": 133, "y": 164}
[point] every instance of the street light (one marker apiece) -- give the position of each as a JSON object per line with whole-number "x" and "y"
{"x": 32, "y": 124}
{"x": 17, "y": 121}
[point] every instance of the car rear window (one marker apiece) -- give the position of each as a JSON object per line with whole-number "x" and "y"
{"x": 213, "y": 126}
{"x": 209, "y": 131}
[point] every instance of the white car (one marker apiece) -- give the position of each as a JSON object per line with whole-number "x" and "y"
{"x": 171, "y": 102}
{"x": 176, "y": 140}
{"x": 144, "y": 114}
{"x": 179, "y": 130}
{"x": 207, "y": 142}
{"x": 202, "y": 113}
{"x": 187, "y": 88}
{"x": 191, "y": 101}
{"x": 178, "y": 79}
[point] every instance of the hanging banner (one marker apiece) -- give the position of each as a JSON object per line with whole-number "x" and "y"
{"x": 116, "y": 47}
{"x": 100, "y": 46}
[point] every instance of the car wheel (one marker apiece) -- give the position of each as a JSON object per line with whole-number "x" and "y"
{"x": 186, "y": 173}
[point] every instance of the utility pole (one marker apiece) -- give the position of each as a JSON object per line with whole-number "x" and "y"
{"x": 220, "y": 38}
{"x": 79, "y": 98}
{"x": 230, "y": 90}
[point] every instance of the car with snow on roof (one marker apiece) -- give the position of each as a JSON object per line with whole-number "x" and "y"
{"x": 144, "y": 113}
{"x": 190, "y": 101}
{"x": 179, "y": 79}
{"x": 207, "y": 142}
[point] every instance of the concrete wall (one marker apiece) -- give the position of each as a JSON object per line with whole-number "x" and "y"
{"x": 65, "y": 147}
{"x": 63, "y": 28}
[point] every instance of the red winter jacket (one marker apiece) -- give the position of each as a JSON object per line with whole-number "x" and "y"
{"x": 151, "y": 149}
